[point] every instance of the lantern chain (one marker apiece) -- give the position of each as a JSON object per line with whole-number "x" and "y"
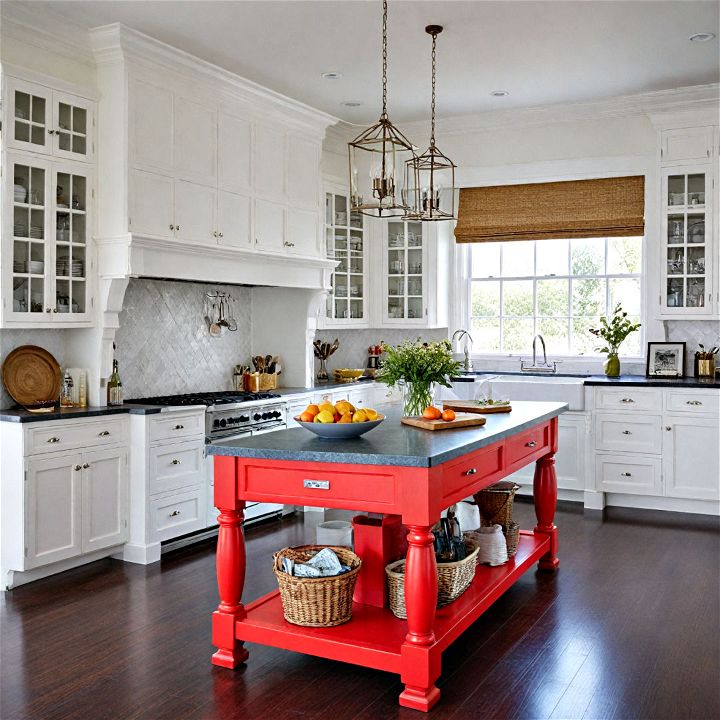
{"x": 432, "y": 106}
{"x": 384, "y": 60}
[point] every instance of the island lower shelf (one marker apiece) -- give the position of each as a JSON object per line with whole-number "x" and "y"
{"x": 374, "y": 636}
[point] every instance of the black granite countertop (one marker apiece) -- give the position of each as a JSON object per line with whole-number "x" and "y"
{"x": 20, "y": 415}
{"x": 391, "y": 443}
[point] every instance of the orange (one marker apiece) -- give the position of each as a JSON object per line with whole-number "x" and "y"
{"x": 306, "y": 416}
{"x": 431, "y": 413}
{"x": 346, "y": 418}
{"x": 448, "y": 415}
{"x": 313, "y": 410}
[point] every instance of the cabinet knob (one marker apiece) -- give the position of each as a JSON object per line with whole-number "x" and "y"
{"x": 55, "y": 310}
{"x": 471, "y": 471}
{"x": 104, "y": 433}
{"x": 626, "y": 474}
{"x": 179, "y": 427}
{"x": 627, "y": 400}
{"x": 693, "y": 402}
{"x": 626, "y": 432}
{"x": 531, "y": 444}
{"x": 86, "y": 466}
{"x": 78, "y": 468}
{"x": 215, "y": 234}
{"x": 174, "y": 513}
{"x": 289, "y": 244}
{"x": 220, "y": 235}
{"x": 175, "y": 461}
{"x": 51, "y": 132}
{"x": 177, "y": 227}
{"x": 668, "y": 428}
{"x": 53, "y": 440}
{"x": 48, "y": 310}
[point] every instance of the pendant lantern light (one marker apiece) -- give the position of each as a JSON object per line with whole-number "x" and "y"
{"x": 378, "y": 159}
{"x": 430, "y": 177}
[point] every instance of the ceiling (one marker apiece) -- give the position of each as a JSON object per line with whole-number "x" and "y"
{"x": 542, "y": 52}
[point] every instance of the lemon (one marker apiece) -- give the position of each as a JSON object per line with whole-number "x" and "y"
{"x": 343, "y": 406}
{"x": 325, "y": 416}
{"x": 328, "y": 407}
{"x": 371, "y": 414}
{"x": 360, "y": 416}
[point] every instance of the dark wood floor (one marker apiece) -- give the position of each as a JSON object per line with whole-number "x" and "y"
{"x": 628, "y": 628}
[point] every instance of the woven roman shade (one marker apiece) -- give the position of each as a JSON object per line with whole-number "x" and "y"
{"x": 607, "y": 207}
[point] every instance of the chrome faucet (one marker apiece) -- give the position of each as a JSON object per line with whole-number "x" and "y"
{"x": 545, "y": 366}
{"x": 459, "y": 334}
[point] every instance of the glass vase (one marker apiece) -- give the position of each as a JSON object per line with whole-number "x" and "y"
{"x": 416, "y": 397}
{"x": 322, "y": 376}
{"x": 611, "y": 366}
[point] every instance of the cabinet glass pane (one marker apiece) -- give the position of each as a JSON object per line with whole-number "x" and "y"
{"x": 696, "y": 260}
{"x": 675, "y": 292}
{"x": 676, "y": 190}
{"x": 404, "y": 281}
{"x": 696, "y": 189}
{"x": 72, "y": 130}
{"x": 29, "y": 118}
{"x": 414, "y": 262}
{"x": 675, "y": 261}
{"x": 696, "y": 292}
{"x": 341, "y": 210}
{"x": 396, "y": 234}
{"x": 415, "y": 307}
{"x": 414, "y": 235}
{"x": 696, "y": 228}
{"x": 676, "y": 229}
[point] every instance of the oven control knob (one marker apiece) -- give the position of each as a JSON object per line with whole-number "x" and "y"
{"x": 256, "y": 416}
{"x": 275, "y": 414}
{"x": 223, "y": 423}
{"x": 216, "y": 423}
{"x": 244, "y": 418}
{"x": 264, "y": 416}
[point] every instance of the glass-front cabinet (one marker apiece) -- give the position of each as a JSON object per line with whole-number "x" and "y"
{"x": 345, "y": 242}
{"x": 404, "y": 270}
{"x": 49, "y": 122}
{"x": 45, "y": 276}
{"x": 687, "y": 245}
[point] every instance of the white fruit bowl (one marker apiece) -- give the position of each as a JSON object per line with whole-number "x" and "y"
{"x": 340, "y": 431}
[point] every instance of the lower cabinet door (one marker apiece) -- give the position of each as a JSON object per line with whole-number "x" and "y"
{"x": 105, "y": 499}
{"x": 177, "y": 514}
{"x": 53, "y": 510}
{"x": 691, "y": 458}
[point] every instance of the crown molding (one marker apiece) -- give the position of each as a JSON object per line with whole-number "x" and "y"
{"x": 47, "y": 30}
{"x": 118, "y": 43}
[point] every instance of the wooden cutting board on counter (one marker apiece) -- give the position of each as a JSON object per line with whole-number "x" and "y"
{"x": 467, "y": 406}
{"x": 463, "y": 420}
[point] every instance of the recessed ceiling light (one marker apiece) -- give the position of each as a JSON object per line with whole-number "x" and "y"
{"x": 499, "y": 93}
{"x": 331, "y": 75}
{"x": 702, "y": 37}
{"x": 351, "y": 103}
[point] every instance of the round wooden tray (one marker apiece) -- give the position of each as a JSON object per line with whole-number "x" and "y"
{"x": 32, "y": 376}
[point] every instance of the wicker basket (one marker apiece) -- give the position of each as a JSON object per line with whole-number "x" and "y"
{"x": 316, "y": 602}
{"x": 496, "y": 503}
{"x": 453, "y": 580}
{"x": 512, "y": 537}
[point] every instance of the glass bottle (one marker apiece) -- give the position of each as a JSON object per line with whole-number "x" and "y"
{"x": 115, "y": 387}
{"x": 67, "y": 391}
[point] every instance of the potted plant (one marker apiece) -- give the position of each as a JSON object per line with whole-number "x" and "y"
{"x": 417, "y": 367}
{"x": 613, "y": 333}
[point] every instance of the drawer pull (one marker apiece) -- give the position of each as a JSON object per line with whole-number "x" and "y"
{"x": 626, "y": 474}
{"x": 316, "y": 484}
{"x": 627, "y": 400}
{"x": 471, "y": 471}
{"x": 626, "y": 432}
{"x": 53, "y": 440}
{"x": 174, "y": 513}
{"x": 86, "y": 466}
{"x": 104, "y": 433}
{"x": 532, "y": 443}
{"x": 175, "y": 461}
{"x": 78, "y": 468}
{"x": 668, "y": 428}
{"x": 179, "y": 427}
{"x": 693, "y": 402}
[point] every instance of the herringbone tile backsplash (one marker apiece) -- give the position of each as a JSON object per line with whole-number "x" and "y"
{"x": 163, "y": 343}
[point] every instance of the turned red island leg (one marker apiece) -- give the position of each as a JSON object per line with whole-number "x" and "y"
{"x": 420, "y": 665}
{"x": 230, "y": 566}
{"x": 545, "y": 496}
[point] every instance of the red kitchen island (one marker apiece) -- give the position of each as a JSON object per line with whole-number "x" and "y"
{"x": 394, "y": 470}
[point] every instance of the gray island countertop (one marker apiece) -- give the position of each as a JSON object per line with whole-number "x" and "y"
{"x": 390, "y": 443}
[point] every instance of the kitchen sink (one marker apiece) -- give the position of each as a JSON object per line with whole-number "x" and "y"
{"x": 570, "y": 390}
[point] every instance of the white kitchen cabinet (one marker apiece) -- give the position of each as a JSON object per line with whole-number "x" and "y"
{"x": 46, "y": 234}
{"x": 234, "y": 220}
{"x": 43, "y": 120}
{"x": 302, "y": 232}
{"x": 269, "y": 226}
{"x": 303, "y": 172}
{"x": 194, "y": 141}
{"x": 53, "y": 509}
{"x": 405, "y": 273}
{"x": 633, "y": 474}
{"x": 152, "y": 127}
{"x": 234, "y": 153}
{"x": 269, "y": 162}
{"x": 195, "y": 207}
{"x": 152, "y": 209}
{"x": 104, "y": 498}
{"x": 691, "y": 457}
{"x": 682, "y": 145}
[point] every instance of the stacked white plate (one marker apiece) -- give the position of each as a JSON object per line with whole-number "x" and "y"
{"x": 36, "y": 232}
{"x": 37, "y": 267}
{"x": 61, "y": 266}
{"x": 20, "y": 193}
{"x": 19, "y": 266}
{"x": 20, "y": 229}
{"x": 77, "y": 268}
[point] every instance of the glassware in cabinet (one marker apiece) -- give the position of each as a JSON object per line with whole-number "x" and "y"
{"x": 404, "y": 283}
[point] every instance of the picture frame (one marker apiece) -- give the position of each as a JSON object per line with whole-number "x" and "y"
{"x": 665, "y": 359}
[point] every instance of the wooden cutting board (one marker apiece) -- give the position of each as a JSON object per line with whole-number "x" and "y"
{"x": 462, "y": 420}
{"x": 467, "y": 406}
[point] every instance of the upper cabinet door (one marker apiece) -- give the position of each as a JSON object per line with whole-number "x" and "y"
{"x": 303, "y": 172}
{"x": 73, "y": 125}
{"x": 686, "y": 145}
{"x": 151, "y": 209}
{"x": 302, "y": 232}
{"x": 269, "y": 162}
{"x": 152, "y": 119}
{"x": 29, "y": 116}
{"x": 234, "y": 220}
{"x": 269, "y": 226}
{"x": 234, "y": 153}
{"x": 195, "y": 141}
{"x": 195, "y": 213}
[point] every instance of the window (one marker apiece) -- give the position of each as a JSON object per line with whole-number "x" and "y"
{"x": 555, "y": 288}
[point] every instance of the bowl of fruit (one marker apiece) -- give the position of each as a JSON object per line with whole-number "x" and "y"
{"x": 340, "y": 421}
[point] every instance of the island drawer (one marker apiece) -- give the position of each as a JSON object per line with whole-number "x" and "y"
{"x": 697, "y": 402}
{"x": 176, "y": 426}
{"x": 463, "y": 475}
{"x": 176, "y": 466}
{"x": 638, "y": 476}
{"x": 527, "y": 443}
{"x": 68, "y": 435}
{"x": 315, "y": 485}
{"x": 628, "y": 434}
{"x": 628, "y": 399}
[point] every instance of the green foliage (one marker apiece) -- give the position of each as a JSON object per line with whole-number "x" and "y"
{"x": 416, "y": 362}
{"x": 615, "y": 331}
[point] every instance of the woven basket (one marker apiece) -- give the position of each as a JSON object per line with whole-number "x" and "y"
{"x": 453, "y": 580}
{"x": 496, "y": 503}
{"x": 512, "y": 537}
{"x": 316, "y": 602}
